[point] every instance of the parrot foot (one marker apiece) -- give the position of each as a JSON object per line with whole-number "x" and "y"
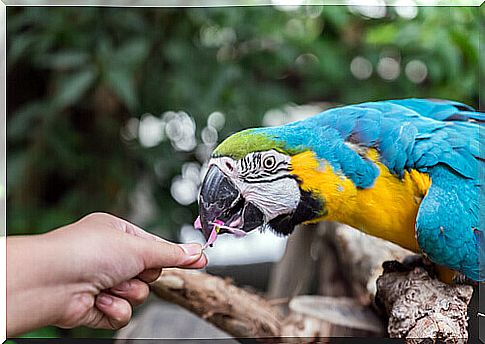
{"x": 409, "y": 263}
{"x": 442, "y": 273}
{"x": 461, "y": 279}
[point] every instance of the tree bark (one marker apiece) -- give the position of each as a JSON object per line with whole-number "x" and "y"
{"x": 232, "y": 309}
{"x": 240, "y": 313}
{"x": 421, "y": 307}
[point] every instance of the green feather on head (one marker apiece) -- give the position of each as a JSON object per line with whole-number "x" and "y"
{"x": 238, "y": 145}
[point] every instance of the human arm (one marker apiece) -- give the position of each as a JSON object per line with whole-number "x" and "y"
{"x": 75, "y": 275}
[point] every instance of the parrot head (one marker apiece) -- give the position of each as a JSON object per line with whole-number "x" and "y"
{"x": 253, "y": 182}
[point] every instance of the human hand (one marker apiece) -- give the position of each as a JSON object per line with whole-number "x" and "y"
{"x": 90, "y": 273}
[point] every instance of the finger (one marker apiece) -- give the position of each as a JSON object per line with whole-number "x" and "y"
{"x": 117, "y": 311}
{"x": 120, "y": 224}
{"x": 150, "y": 275}
{"x": 130, "y": 228}
{"x": 159, "y": 254}
{"x": 134, "y": 291}
{"x": 198, "y": 264}
{"x": 167, "y": 254}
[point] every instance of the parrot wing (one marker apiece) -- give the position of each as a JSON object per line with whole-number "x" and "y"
{"x": 449, "y": 225}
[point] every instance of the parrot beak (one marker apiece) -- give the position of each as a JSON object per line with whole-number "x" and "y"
{"x": 217, "y": 195}
{"x": 220, "y": 200}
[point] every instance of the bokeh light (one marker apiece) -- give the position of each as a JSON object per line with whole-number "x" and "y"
{"x": 180, "y": 129}
{"x": 406, "y": 9}
{"x": 216, "y": 120}
{"x": 313, "y": 11}
{"x": 295, "y": 28}
{"x": 388, "y": 68}
{"x": 184, "y": 191}
{"x": 185, "y": 187}
{"x": 130, "y": 130}
{"x": 416, "y": 71}
{"x": 150, "y": 131}
{"x": 215, "y": 36}
{"x": 209, "y": 135}
{"x": 373, "y": 9}
{"x": 307, "y": 60}
{"x": 361, "y": 68}
{"x": 287, "y": 5}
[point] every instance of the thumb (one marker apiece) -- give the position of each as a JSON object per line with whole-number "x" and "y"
{"x": 161, "y": 253}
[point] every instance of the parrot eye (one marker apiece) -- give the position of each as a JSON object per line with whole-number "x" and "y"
{"x": 269, "y": 162}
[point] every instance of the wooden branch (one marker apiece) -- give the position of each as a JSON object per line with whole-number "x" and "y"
{"x": 234, "y": 310}
{"x": 421, "y": 307}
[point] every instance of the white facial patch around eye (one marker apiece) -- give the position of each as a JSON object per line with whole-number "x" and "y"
{"x": 274, "y": 198}
{"x": 263, "y": 166}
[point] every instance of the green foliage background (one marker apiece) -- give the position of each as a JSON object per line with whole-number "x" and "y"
{"x": 76, "y": 76}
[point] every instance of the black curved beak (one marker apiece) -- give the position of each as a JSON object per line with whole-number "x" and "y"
{"x": 219, "y": 199}
{"x": 217, "y": 195}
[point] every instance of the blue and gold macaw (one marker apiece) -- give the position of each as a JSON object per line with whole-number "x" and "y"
{"x": 409, "y": 171}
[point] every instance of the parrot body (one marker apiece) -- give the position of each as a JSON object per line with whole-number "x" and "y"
{"x": 407, "y": 171}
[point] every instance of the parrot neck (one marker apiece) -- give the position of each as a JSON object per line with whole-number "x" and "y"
{"x": 387, "y": 210}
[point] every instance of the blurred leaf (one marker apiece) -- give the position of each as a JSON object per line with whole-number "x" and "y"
{"x": 16, "y": 167}
{"x": 383, "y": 34}
{"x": 19, "y": 46}
{"x": 467, "y": 44}
{"x": 72, "y": 87}
{"x": 63, "y": 60}
{"x": 121, "y": 81}
{"x": 22, "y": 122}
{"x": 131, "y": 54}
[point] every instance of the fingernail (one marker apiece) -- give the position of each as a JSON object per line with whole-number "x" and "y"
{"x": 193, "y": 250}
{"x": 104, "y": 299}
{"x": 123, "y": 286}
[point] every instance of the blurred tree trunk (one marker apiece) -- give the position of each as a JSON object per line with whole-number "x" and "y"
{"x": 311, "y": 265}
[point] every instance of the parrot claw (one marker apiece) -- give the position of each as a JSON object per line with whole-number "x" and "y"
{"x": 461, "y": 279}
{"x": 409, "y": 263}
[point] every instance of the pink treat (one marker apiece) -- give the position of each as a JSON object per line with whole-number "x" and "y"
{"x": 218, "y": 223}
{"x": 212, "y": 238}
{"x": 197, "y": 223}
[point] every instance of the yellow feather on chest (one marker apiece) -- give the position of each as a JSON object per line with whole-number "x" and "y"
{"x": 387, "y": 210}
